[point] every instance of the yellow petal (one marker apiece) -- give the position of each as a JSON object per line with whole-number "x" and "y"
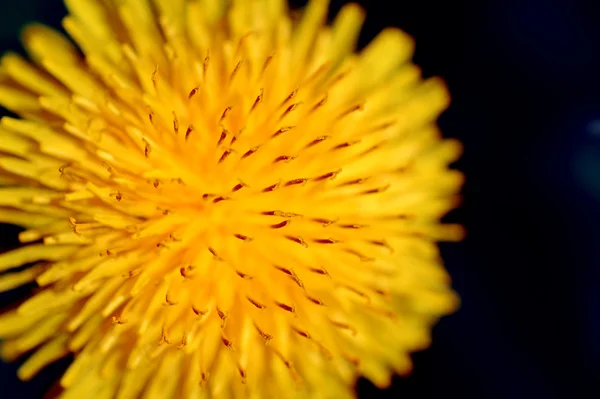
{"x": 18, "y": 101}
{"x": 43, "y": 43}
{"x": 9, "y": 281}
{"x": 31, "y": 253}
{"x": 30, "y": 77}
{"x": 345, "y": 30}
{"x": 48, "y": 353}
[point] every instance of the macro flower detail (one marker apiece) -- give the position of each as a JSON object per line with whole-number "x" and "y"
{"x": 220, "y": 200}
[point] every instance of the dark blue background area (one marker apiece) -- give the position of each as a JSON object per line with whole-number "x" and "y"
{"x": 525, "y": 81}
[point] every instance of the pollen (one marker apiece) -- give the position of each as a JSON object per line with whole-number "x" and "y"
{"x": 220, "y": 200}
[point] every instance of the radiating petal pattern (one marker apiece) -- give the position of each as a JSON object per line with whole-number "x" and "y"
{"x": 222, "y": 201}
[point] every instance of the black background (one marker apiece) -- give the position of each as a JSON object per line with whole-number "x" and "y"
{"x": 524, "y": 77}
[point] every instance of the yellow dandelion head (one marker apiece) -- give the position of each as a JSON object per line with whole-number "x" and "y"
{"x": 222, "y": 201}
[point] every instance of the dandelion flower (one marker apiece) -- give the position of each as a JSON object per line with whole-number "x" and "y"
{"x": 220, "y": 200}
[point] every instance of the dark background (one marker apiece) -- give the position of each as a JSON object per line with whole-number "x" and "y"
{"x": 524, "y": 76}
